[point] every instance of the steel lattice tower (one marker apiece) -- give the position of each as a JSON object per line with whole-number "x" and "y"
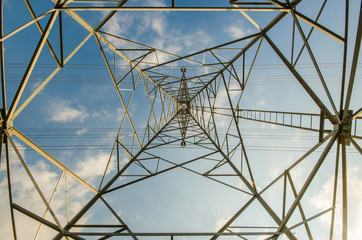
{"x": 193, "y": 120}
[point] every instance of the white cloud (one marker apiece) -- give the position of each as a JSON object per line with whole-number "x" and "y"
{"x": 152, "y": 28}
{"x": 221, "y": 222}
{"x": 235, "y": 32}
{"x": 94, "y": 165}
{"x": 82, "y": 131}
{"x": 61, "y": 111}
{"x": 323, "y": 199}
{"x": 158, "y": 25}
{"x": 25, "y": 194}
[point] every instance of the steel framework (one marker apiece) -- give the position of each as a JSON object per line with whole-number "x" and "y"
{"x": 183, "y": 108}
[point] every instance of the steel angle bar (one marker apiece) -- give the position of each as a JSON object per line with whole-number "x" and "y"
{"x": 171, "y": 9}
{"x": 345, "y": 49}
{"x": 353, "y": 67}
{"x": 66, "y": 196}
{"x": 315, "y": 147}
{"x": 33, "y": 180}
{"x": 250, "y": 187}
{"x": 344, "y": 189}
{"x": 220, "y": 163}
{"x": 256, "y": 37}
{"x": 41, "y": 220}
{"x": 87, "y": 26}
{"x": 130, "y": 155}
{"x": 239, "y": 236}
{"x": 293, "y": 43}
{"x": 46, "y": 81}
{"x": 2, "y": 141}
{"x": 241, "y": 138}
{"x": 107, "y": 165}
{"x": 247, "y": 16}
{"x": 63, "y": 2}
{"x": 109, "y": 16}
{"x": 142, "y": 45}
{"x": 146, "y": 134}
{"x": 355, "y": 144}
{"x": 151, "y": 102}
{"x": 85, "y": 208}
{"x": 165, "y": 234}
{"x": 245, "y": 81}
{"x": 92, "y": 1}
{"x": 2, "y": 66}
{"x": 213, "y": 117}
{"x": 118, "y": 91}
{"x": 357, "y": 113}
{"x": 300, "y": 207}
{"x": 113, "y": 48}
{"x": 10, "y": 191}
{"x": 242, "y": 2}
{"x": 135, "y": 65}
{"x": 234, "y": 217}
{"x": 118, "y": 217}
{"x": 311, "y": 218}
{"x": 50, "y": 202}
{"x": 31, "y": 65}
{"x": 277, "y": 3}
{"x": 99, "y": 226}
{"x": 61, "y": 41}
{"x": 124, "y": 118}
{"x": 308, "y": 182}
{"x": 300, "y": 79}
{"x": 335, "y": 186}
{"x": 223, "y": 64}
{"x": 236, "y": 125}
{"x": 204, "y": 51}
{"x": 306, "y": 44}
{"x": 41, "y": 16}
{"x": 49, "y": 157}
{"x": 181, "y": 165}
{"x": 318, "y": 26}
{"x": 32, "y": 13}
{"x": 284, "y": 193}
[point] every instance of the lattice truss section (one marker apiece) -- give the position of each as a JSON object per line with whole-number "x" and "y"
{"x": 187, "y": 158}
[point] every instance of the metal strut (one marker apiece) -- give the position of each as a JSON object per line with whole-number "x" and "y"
{"x": 183, "y": 107}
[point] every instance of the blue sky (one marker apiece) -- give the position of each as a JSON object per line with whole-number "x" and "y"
{"x": 77, "y": 116}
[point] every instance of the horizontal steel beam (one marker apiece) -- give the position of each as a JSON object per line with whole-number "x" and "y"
{"x": 182, "y": 9}
{"x": 36, "y": 217}
{"x": 163, "y": 234}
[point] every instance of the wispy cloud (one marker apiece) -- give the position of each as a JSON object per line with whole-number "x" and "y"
{"x": 82, "y": 131}
{"x": 323, "y": 199}
{"x": 62, "y": 111}
{"x": 235, "y": 31}
{"x": 152, "y": 28}
{"x": 26, "y": 195}
{"x": 94, "y": 165}
{"x": 221, "y": 222}
{"x": 238, "y": 31}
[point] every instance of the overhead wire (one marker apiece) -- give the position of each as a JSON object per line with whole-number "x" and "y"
{"x": 101, "y": 133}
{"x": 53, "y": 133}
{"x": 71, "y": 79}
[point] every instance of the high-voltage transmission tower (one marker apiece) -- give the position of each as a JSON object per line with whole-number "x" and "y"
{"x": 197, "y": 144}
